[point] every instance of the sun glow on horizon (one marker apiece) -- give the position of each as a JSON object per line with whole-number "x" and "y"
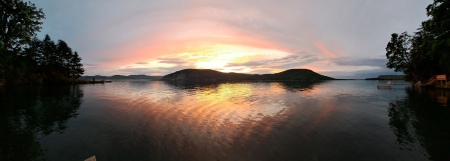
{"x": 211, "y": 64}
{"x": 231, "y": 58}
{"x": 236, "y": 57}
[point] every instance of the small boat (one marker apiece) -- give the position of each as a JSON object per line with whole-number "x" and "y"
{"x": 91, "y": 159}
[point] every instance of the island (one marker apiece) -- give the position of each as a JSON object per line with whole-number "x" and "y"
{"x": 208, "y": 75}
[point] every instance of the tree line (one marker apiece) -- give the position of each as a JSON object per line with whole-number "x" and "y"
{"x": 26, "y": 59}
{"x": 426, "y": 52}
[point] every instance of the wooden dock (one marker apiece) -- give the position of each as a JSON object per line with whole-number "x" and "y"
{"x": 390, "y": 85}
{"x": 438, "y": 81}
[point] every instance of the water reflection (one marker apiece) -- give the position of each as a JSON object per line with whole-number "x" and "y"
{"x": 290, "y": 85}
{"x": 191, "y": 85}
{"x": 227, "y": 121}
{"x": 28, "y": 112}
{"x": 223, "y": 113}
{"x": 236, "y": 102}
{"x": 440, "y": 95}
{"x": 300, "y": 85}
{"x": 421, "y": 120}
{"x": 153, "y": 120}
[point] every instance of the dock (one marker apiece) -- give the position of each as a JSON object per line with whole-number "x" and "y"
{"x": 438, "y": 81}
{"x": 390, "y": 85}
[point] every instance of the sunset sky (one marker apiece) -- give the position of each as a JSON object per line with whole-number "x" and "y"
{"x": 338, "y": 38}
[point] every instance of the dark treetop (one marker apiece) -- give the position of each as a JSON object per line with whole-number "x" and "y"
{"x": 425, "y": 53}
{"x": 25, "y": 59}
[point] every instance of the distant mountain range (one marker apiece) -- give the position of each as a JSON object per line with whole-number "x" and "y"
{"x": 208, "y": 75}
{"x": 205, "y": 75}
{"x": 115, "y": 77}
{"x": 388, "y": 77}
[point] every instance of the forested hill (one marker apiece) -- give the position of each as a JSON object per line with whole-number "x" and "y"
{"x": 296, "y": 74}
{"x": 195, "y": 75}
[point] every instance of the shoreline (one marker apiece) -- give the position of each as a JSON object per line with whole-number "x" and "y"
{"x": 58, "y": 82}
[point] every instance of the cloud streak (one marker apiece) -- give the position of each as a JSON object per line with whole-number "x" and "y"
{"x": 347, "y": 61}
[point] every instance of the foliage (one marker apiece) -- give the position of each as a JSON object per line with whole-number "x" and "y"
{"x": 398, "y": 52}
{"x": 52, "y": 60}
{"x": 19, "y": 23}
{"x": 439, "y": 29}
{"x": 426, "y": 53}
{"x": 25, "y": 58}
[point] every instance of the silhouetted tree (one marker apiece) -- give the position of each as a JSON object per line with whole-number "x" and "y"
{"x": 75, "y": 66}
{"x": 53, "y": 61}
{"x": 25, "y": 58}
{"x": 425, "y": 53}
{"x": 64, "y": 55}
{"x": 438, "y": 26}
{"x": 398, "y": 52}
{"x": 19, "y": 22}
{"x": 423, "y": 64}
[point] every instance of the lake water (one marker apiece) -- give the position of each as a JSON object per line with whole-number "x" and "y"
{"x": 154, "y": 120}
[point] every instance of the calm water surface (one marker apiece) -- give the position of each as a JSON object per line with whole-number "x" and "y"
{"x": 153, "y": 120}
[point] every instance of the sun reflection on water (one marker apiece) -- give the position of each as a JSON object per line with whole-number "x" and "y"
{"x": 154, "y": 120}
{"x": 237, "y": 102}
{"x": 229, "y": 112}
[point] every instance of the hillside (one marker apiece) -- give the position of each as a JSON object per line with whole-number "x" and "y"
{"x": 296, "y": 74}
{"x": 202, "y": 75}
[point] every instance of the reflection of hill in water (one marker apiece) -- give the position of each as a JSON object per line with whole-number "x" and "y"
{"x": 27, "y": 112}
{"x": 289, "y": 85}
{"x": 420, "y": 119}
{"x": 191, "y": 85}
{"x": 300, "y": 85}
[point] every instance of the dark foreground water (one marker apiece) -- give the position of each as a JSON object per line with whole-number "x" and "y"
{"x": 153, "y": 120}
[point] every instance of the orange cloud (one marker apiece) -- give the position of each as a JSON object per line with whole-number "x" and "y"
{"x": 324, "y": 50}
